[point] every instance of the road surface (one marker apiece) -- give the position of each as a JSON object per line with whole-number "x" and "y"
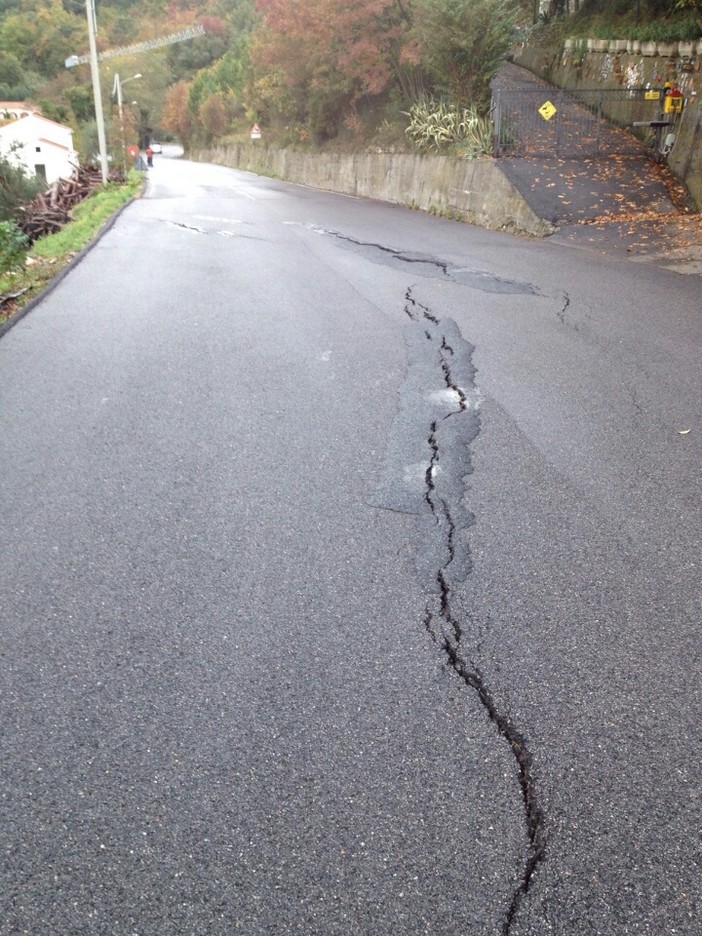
{"x": 350, "y": 579}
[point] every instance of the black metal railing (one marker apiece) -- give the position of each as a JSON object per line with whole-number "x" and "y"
{"x": 571, "y": 123}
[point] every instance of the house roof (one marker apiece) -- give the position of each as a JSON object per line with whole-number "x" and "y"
{"x": 35, "y": 117}
{"x": 46, "y": 120}
{"x": 19, "y": 106}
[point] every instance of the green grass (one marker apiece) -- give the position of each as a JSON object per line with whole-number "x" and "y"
{"x": 50, "y": 254}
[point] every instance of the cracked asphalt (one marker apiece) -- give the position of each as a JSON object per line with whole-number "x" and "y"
{"x": 350, "y": 579}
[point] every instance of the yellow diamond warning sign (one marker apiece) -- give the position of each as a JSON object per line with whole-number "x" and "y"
{"x": 547, "y": 110}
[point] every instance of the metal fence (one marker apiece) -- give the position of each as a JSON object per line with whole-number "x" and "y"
{"x": 571, "y": 123}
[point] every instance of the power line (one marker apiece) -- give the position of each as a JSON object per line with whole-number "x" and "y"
{"x": 192, "y": 32}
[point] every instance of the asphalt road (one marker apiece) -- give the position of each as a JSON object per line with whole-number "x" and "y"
{"x": 350, "y": 579}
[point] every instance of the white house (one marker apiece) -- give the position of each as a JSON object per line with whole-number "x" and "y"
{"x": 42, "y": 147}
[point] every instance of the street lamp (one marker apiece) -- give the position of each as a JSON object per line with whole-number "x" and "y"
{"x": 92, "y": 29}
{"x": 117, "y": 89}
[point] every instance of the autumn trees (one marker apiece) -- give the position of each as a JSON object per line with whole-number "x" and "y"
{"x": 209, "y": 96}
{"x": 313, "y": 61}
{"x": 310, "y": 65}
{"x": 306, "y": 67}
{"x": 461, "y": 45}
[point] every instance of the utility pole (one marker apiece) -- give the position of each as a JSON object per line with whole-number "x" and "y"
{"x": 97, "y": 93}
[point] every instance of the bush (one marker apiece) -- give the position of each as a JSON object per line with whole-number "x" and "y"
{"x": 462, "y": 45}
{"x": 16, "y": 189}
{"x": 13, "y": 246}
{"x": 435, "y": 125}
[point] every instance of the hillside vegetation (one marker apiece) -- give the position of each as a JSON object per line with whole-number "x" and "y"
{"x": 307, "y": 71}
{"x": 652, "y": 21}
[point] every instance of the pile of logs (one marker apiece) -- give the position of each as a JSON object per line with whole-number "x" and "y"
{"x": 49, "y": 211}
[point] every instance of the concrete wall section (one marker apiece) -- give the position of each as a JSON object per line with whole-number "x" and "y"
{"x": 475, "y": 191}
{"x": 686, "y": 157}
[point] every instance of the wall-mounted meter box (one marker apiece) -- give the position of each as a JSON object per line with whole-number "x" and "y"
{"x": 673, "y": 101}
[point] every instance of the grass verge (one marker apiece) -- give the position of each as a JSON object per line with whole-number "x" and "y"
{"x": 50, "y": 255}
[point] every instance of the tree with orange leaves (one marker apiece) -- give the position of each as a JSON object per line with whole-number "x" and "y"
{"x": 176, "y": 116}
{"x": 314, "y": 60}
{"x": 325, "y": 55}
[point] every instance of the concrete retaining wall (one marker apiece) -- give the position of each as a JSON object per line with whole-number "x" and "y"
{"x": 686, "y": 158}
{"x": 476, "y": 190}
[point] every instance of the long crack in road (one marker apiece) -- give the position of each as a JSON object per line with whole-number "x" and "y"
{"x": 428, "y": 459}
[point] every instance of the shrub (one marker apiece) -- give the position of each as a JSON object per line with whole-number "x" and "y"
{"x": 462, "y": 45}
{"x": 436, "y": 124}
{"x": 13, "y": 246}
{"x": 16, "y": 189}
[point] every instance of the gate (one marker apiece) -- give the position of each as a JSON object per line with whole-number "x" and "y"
{"x": 571, "y": 123}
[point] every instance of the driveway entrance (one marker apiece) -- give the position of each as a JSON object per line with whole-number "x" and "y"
{"x": 549, "y": 121}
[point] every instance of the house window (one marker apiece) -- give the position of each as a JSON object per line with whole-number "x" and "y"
{"x": 40, "y": 171}
{"x": 37, "y": 149}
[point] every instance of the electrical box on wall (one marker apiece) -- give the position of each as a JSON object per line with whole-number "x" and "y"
{"x": 673, "y": 101}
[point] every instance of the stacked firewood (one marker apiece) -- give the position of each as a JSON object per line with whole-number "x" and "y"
{"x": 50, "y": 210}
